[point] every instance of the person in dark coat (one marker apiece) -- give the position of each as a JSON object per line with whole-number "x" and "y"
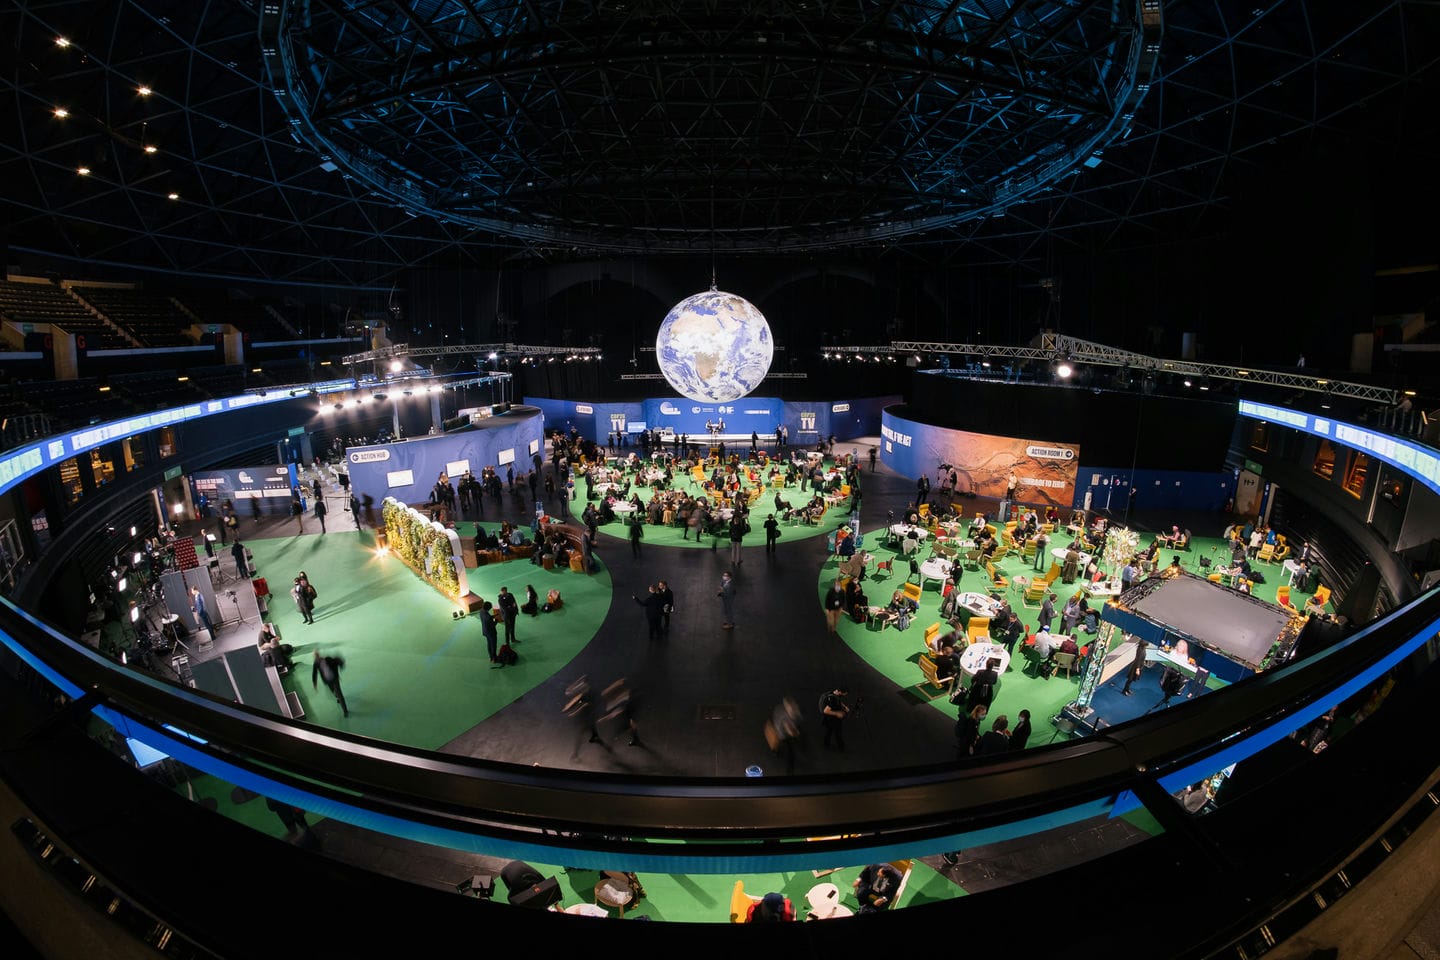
{"x": 654, "y": 606}
{"x": 1021, "y": 734}
{"x": 997, "y": 739}
{"x": 667, "y": 606}
{"x": 328, "y": 669}
{"x": 242, "y": 567}
{"x": 320, "y": 512}
{"x": 967, "y": 729}
{"x": 509, "y": 610}
{"x": 637, "y": 533}
{"x": 487, "y": 629}
{"x": 982, "y": 685}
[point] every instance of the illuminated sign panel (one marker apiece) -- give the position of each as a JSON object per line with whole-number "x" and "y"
{"x": 19, "y": 464}
{"x": 1418, "y": 461}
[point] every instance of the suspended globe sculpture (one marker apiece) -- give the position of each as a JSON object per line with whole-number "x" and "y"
{"x": 714, "y": 347}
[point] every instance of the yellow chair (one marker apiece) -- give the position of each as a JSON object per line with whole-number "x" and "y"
{"x": 740, "y": 902}
{"x": 912, "y": 591}
{"x": 1035, "y": 593}
{"x": 977, "y": 629}
{"x": 1267, "y": 553}
{"x": 1214, "y": 578}
{"x": 996, "y": 577}
{"x": 931, "y": 632}
{"x": 1322, "y": 595}
{"x": 924, "y": 510}
{"x": 930, "y": 679}
{"x": 1282, "y": 595}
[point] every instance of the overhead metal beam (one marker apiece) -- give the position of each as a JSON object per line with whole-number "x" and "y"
{"x": 1052, "y": 347}
{"x": 399, "y": 350}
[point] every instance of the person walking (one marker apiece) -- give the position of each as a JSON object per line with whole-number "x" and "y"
{"x": 667, "y": 606}
{"x": 509, "y": 610}
{"x": 834, "y": 607}
{"x": 304, "y": 595}
{"x": 294, "y": 820}
{"x": 315, "y": 486}
{"x": 833, "y": 711}
{"x": 922, "y": 489}
{"x": 637, "y": 533}
{"x": 355, "y": 511}
{"x": 726, "y": 593}
{"x": 320, "y": 512}
{"x": 782, "y": 730}
{"x": 1047, "y": 613}
{"x": 772, "y": 533}
{"x": 873, "y": 455}
{"x": 242, "y": 566}
{"x": 487, "y": 629}
{"x": 328, "y": 669}
{"x": 619, "y": 702}
{"x": 297, "y": 510}
{"x": 738, "y": 529}
{"x": 197, "y": 607}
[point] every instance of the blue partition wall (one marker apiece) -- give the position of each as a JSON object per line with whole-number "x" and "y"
{"x": 807, "y": 420}
{"x": 1109, "y": 487}
{"x": 408, "y": 469}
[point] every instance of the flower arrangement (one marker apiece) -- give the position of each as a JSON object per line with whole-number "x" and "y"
{"x": 423, "y": 545}
{"x": 1122, "y": 544}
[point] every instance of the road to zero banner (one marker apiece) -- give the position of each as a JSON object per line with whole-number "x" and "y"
{"x": 982, "y": 462}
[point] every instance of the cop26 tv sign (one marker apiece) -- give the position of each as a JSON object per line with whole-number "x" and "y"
{"x": 1044, "y": 470}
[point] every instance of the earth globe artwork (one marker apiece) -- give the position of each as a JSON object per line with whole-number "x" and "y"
{"x": 714, "y": 347}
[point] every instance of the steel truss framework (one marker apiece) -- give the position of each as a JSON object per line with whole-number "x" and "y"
{"x": 1054, "y": 348}
{"x": 398, "y": 351}
{"x": 1236, "y": 86}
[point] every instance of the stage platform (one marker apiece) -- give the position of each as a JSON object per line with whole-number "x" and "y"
{"x": 1239, "y": 626}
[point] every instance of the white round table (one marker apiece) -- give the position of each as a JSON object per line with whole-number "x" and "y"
{"x": 973, "y": 660}
{"x": 903, "y": 530}
{"x": 623, "y": 506}
{"x": 979, "y": 604}
{"x": 1059, "y": 554}
{"x": 936, "y": 568}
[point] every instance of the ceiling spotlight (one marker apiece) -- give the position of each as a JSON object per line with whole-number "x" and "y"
{"x": 143, "y": 90}
{"x": 83, "y": 171}
{"x": 182, "y": 378}
{"x": 62, "y": 42}
{"x": 172, "y": 195}
{"x": 1064, "y": 368}
{"x": 254, "y": 369}
{"x": 151, "y": 148}
{"x": 396, "y": 366}
{"x": 1187, "y": 382}
{"x": 122, "y": 583}
{"x": 61, "y": 113}
{"x": 491, "y": 356}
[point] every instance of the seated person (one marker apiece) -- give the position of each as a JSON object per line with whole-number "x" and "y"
{"x": 517, "y": 537}
{"x": 771, "y": 908}
{"x": 947, "y": 665}
{"x": 273, "y": 653}
{"x": 1044, "y": 643}
{"x": 1068, "y": 645}
{"x": 1313, "y": 607}
{"x": 877, "y": 886}
{"x": 853, "y": 566}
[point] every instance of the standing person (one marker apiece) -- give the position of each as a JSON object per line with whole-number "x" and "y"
{"x": 328, "y": 669}
{"x": 967, "y": 728}
{"x": 487, "y": 630}
{"x": 510, "y": 476}
{"x": 1042, "y": 549}
{"x": 1021, "y": 734}
{"x": 1047, "y": 613}
{"x": 304, "y": 596}
{"x": 197, "y": 607}
{"x": 738, "y": 529}
{"x": 922, "y": 489}
{"x": 297, "y": 510}
{"x": 834, "y": 607}
{"x": 637, "y": 533}
{"x": 997, "y": 740}
{"x": 587, "y": 547}
{"x": 726, "y": 593}
{"x": 254, "y": 511}
{"x": 320, "y": 512}
{"x": 667, "y": 606}
{"x": 873, "y": 453}
{"x": 654, "y": 610}
{"x": 355, "y": 510}
{"x": 833, "y": 711}
{"x": 242, "y": 566}
{"x": 1012, "y": 484}
{"x": 772, "y": 533}
{"x": 509, "y": 609}
{"x": 315, "y": 486}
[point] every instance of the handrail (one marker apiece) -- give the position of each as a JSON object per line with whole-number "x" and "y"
{"x": 466, "y": 800}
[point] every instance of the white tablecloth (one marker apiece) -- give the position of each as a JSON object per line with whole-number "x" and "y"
{"x": 936, "y": 568}
{"x": 1292, "y": 567}
{"x": 1059, "y": 554}
{"x": 973, "y": 660}
{"x": 623, "y": 506}
{"x": 1105, "y": 588}
{"x": 979, "y": 604}
{"x": 904, "y": 529}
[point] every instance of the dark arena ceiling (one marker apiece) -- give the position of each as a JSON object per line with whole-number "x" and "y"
{"x": 335, "y": 141}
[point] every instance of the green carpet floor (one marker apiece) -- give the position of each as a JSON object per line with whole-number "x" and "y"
{"x": 896, "y": 653}
{"x": 763, "y": 507}
{"x": 412, "y": 674}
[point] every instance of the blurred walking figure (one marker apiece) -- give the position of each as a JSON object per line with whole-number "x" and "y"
{"x": 328, "y": 669}
{"x": 620, "y": 706}
{"x": 782, "y": 729}
{"x": 579, "y": 709}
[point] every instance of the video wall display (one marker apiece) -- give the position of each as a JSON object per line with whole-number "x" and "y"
{"x": 270, "y": 485}
{"x": 1045, "y": 470}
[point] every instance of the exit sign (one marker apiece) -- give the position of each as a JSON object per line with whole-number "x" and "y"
{"x": 174, "y": 472}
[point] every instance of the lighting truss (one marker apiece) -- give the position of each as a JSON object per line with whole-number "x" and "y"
{"x": 661, "y": 376}
{"x": 402, "y": 350}
{"x": 1052, "y": 347}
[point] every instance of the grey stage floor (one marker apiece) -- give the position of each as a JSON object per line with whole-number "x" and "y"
{"x": 1231, "y": 622}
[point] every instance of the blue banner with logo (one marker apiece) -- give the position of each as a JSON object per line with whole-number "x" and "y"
{"x": 269, "y": 486}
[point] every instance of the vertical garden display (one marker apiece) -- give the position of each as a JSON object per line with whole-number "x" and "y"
{"x": 426, "y": 547}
